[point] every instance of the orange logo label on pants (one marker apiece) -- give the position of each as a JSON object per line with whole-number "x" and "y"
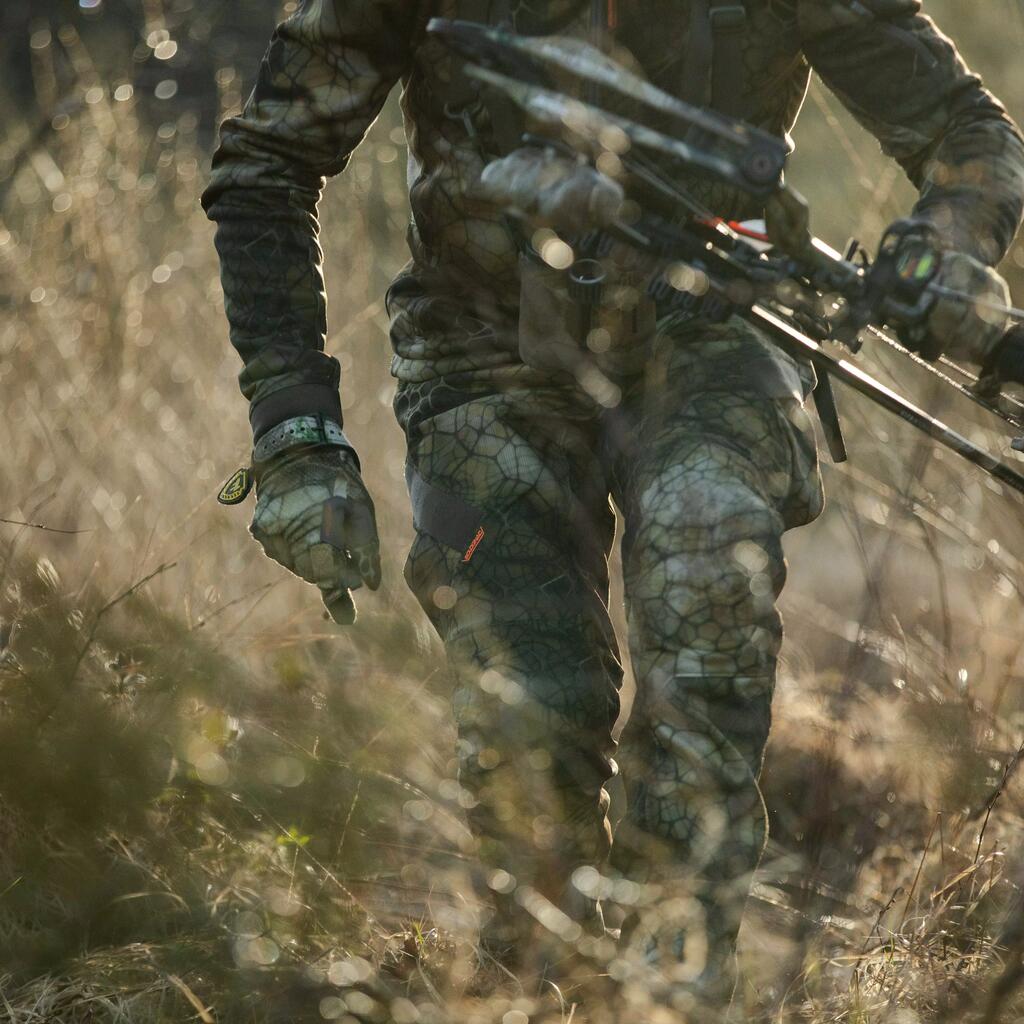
{"x": 472, "y": 547}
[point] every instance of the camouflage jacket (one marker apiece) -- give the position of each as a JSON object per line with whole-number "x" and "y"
{"x": 330, "y": 67}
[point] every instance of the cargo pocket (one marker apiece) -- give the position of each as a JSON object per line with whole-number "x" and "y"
{"x": 449, "y": 533}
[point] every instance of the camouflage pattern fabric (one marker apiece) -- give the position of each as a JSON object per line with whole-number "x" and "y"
{"x": 704, "y": 447}
{"x": 708, "y": 478}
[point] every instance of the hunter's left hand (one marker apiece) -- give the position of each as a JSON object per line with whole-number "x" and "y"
{"x": 1006, "y": 363}
{"x": 315, "y": 517}
{"x": 967, "y": 318}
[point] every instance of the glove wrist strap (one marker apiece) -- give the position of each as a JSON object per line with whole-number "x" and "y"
{"x": 300, "y": 432}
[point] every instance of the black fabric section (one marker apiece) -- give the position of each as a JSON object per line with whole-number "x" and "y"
{"x": 728, "y": 74}
{"x": 444, "y": 516}
{"x": 697, "y": 70}
{"x": 286, "y": 404}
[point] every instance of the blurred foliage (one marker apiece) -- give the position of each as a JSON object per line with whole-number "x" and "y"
{"x": 216, "y": 806}
{"x": 198, "y": 48}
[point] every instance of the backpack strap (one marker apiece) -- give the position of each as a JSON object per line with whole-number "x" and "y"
{"x": 714, "y": 73}
{"x": 728, "y": 24}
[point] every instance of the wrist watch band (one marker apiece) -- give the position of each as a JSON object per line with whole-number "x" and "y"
{"x": 298, "y": 432}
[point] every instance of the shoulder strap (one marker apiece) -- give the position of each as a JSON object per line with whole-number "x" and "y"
{"x": 714, "y": 73}
{"x": 728, "y": 23}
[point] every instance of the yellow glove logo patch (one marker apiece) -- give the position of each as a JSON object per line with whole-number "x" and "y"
{"x": 237, "y": 488}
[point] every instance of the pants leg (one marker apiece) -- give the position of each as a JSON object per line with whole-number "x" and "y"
{"x": 525, "y": 624}
{"x": 714, "y": 479}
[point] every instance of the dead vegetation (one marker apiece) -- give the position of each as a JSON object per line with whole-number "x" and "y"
{"x": 214, "y": 806}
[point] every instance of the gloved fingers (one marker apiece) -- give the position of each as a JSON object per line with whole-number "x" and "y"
{"x": 367, "y": 563}
{"x": 363, "y": 543}
{"x": 1006, "y": 363}
{"x": 330, "y": 568}
{"x": 340, "y": 606}
{"x": 282, "y": 522}
{"x": 332, "y": 571}
{"x": 948, "y": 324}
{"x": 551, "y": 190}
{"x": 352, "y": 527}
{"x": 968, "y": 329}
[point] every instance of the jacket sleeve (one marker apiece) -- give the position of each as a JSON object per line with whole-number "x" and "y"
{"x": 905, "y": 82}
{"x": 323, "y": 80}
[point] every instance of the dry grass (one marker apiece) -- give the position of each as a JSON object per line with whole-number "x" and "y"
{"x": 214, "y": 806}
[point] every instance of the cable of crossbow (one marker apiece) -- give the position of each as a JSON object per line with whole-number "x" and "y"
{"x": 974, "y": 300}
{"x": 799, "y": 345}
{"x": 979, "y": 400}
{"x": 645, "y": 169}
{"x": 973, "y": 378}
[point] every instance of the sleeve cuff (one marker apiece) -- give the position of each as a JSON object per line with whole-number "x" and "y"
{"x": 288, "y": 403}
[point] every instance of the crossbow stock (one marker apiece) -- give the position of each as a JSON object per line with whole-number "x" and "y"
{"x": 798, "y": 291}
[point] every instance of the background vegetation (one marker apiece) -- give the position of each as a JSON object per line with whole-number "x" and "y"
{"x": 216, "y": 806}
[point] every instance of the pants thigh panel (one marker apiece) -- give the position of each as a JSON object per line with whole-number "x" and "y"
{"x": 703, "y": 554}
{"x": 532, "y": 598}
{"x": 525, "y": 625}
{"x": 716, "y": 481}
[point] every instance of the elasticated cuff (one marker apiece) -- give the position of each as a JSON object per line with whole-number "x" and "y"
{"x": 299, "y": 400}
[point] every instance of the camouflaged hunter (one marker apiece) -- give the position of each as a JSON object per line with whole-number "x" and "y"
{"x": 697, "y": 432}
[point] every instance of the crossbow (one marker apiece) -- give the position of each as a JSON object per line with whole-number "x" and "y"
{"x": 801, "y": 295}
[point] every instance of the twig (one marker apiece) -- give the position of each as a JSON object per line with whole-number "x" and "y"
{"x": 9, "y": 557}
{"x": 917, "y": 877}
{"x": 258, "y": 593}
{"x": 40, "y": 526}
{"x": 11, "y": 886}
{"x": 113, "y": 603}
{"x": 1011, "y": 767}
{"x": 167, "y": 566}
{"x": 202, "y": 1012}
{"x": 875, "y": 930}
{"x": 348, "y": 820}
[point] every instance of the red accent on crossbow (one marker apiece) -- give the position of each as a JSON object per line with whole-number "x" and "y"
{"x": 738, "y": 227}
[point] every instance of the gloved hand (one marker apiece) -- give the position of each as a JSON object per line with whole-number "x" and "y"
{"x": 1006, "y": 363}
{"x": 551, "y": 190}
{"x": 962, "y": 328}
{"x": 315, "y": 517}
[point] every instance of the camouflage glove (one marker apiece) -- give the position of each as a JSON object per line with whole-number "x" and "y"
{"x": 1006, "y": 363}
{"x": 550, "y": 189}
{"x": 315, "y": 517}
{"x": 966, "y": 319}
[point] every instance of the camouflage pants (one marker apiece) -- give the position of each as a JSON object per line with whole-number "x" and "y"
{"x": 511, "y": 489}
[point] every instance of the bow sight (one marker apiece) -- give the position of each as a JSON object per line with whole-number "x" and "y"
{"x": 798, "y": 291}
